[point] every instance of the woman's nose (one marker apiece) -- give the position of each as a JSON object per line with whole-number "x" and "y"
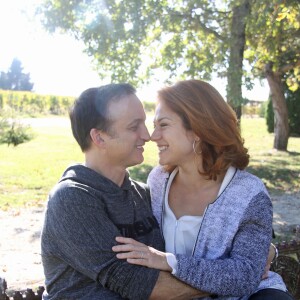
{"x": 155, "y": 135}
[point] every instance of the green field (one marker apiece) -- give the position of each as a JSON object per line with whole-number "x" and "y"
{"x": 28, "y": 171}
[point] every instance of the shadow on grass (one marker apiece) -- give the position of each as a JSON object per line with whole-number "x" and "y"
{"x": 292, "y": 153}
{"x": 276, "y": 175}
{"x": 140, "y": 173}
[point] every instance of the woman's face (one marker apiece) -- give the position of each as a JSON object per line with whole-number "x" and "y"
{"x": 174, "y": 142}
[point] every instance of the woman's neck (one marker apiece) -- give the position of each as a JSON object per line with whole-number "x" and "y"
{"x": 190, "y": 177}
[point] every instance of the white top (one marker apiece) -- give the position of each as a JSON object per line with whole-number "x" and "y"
{"x": 181, "y": 234}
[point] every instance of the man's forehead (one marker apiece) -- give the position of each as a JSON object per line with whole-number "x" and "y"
{"x": 129, "y": 109}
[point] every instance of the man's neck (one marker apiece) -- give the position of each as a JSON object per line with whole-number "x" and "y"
{"x": 115, "y": 173}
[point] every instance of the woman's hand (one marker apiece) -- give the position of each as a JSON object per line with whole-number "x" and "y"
{"x": 137, "y": 253}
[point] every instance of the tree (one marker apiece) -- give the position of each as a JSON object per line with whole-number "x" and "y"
{"x": 237, "y": 43}
{"x": 131, "y": 39}
{"x": 273, "y": 50}
{"x": 293, "y": 105}
{"x": 15, "y": 79}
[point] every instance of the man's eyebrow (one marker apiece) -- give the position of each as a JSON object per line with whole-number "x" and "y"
{"x": 136, "y": 122}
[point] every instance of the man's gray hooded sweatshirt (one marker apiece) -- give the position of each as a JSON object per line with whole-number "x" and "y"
{"x": 85, "y": 212}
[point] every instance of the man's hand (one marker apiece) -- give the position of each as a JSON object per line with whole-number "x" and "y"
{"x": 273, "y": 253}
{"x": 168, "y": 287}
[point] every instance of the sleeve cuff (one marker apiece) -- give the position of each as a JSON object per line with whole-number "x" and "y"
{"x": 172, "y": 262}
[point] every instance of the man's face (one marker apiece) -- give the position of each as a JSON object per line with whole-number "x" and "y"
{"x": 127, "y": 133}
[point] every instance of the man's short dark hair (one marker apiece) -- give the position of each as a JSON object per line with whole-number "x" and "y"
{"x": 90, "y": 110}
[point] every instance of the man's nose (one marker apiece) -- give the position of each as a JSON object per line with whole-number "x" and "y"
{"x": 145, "y": 134}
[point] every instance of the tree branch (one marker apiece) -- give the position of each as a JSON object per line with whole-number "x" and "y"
{"x": 198, "y": 23}
{"x": 289, "y": 66}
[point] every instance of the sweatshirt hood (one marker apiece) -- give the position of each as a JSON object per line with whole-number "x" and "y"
{"x": 84, "y": 175}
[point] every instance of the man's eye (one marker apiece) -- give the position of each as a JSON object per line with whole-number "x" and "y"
{"x": 134, "y": 128}
{"x": 163, "y": 124}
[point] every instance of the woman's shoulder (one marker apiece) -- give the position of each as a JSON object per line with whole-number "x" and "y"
{"x": 250, "y": 182}
{"x": 157, "y": 174}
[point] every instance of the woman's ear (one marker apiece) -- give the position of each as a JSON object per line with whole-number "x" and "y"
{"x": 97, "y": 137}
{"x": 193, "y": 136}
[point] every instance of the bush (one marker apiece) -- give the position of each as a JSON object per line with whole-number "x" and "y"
{"x": 149, "y": 106}
{"x": 13, "y": 132}
{"x": 293, "y": 105}
{"x": 270, "y": 116}
{"x": 263, "y": 109}
{"x": 28, "y": 103}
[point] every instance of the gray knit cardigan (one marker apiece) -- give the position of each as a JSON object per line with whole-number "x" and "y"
{"x": 231, "y": 249}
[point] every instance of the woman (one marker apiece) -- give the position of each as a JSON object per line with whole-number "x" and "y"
{"x": 215, "y": 217}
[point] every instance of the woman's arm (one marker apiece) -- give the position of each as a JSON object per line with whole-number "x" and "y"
{"x": 237, "y": 275}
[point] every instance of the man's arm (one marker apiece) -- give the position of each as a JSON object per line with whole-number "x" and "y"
{"x": 169, "y": 288}
{"x": 82, "y": 235}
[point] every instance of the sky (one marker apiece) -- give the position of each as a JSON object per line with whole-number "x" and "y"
{"x": 56, "y": 62}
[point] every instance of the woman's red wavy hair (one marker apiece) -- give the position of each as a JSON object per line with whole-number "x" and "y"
{"x": 203, "y": 110}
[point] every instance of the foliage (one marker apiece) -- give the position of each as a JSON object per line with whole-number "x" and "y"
{"x": 273, "y": 35}
{"x": 12, "y": 131}
{"x": 32, "y": 104}
{"x": 134, "y": 40}
{"x": 251, "y": 110}
{"x": 4, "y": 124}
{"x": 149, "y": 106}
{"x": 293, "y": 104}
{"x": 140, "y": 173}
{"x": 16, "y": 134}
{"x": 273, "y": 51}
{"x": 15, "y": 79}
{"x": 270, "y": 117}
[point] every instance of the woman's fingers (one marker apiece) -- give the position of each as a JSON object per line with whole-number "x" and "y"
{"x": 140, "y": 262}
{"x": 127, "y": 247}
{"x": 132, "y": 255}
{"x": 143, "y": 256}
{"x": 124, "y": 240}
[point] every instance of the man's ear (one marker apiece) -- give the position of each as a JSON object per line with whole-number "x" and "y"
{"x": 97, "y": 137}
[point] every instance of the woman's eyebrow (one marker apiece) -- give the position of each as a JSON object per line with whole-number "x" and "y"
{"x": 160, "y": 119}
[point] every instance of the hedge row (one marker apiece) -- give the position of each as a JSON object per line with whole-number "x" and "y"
{"x": 34, "y": 104}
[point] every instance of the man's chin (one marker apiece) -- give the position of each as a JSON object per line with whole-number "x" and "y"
{"x": 136, "y": 162}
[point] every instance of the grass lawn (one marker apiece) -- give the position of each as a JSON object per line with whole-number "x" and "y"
{"x": 28, "y": 171}
{"x": 279, "y": 170}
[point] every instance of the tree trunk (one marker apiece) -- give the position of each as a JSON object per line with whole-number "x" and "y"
{"x": 235, "y": 68}
{"x": 281, "y": 121}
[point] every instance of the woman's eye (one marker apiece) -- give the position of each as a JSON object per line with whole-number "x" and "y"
{"x": 163, "y": 125}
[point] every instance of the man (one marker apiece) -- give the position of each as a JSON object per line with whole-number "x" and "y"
{"x": 95, "y": 202}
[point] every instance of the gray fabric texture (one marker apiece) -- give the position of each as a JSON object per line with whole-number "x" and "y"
{"x": 85, "y": 212}
{"x": 233, "y": 241}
